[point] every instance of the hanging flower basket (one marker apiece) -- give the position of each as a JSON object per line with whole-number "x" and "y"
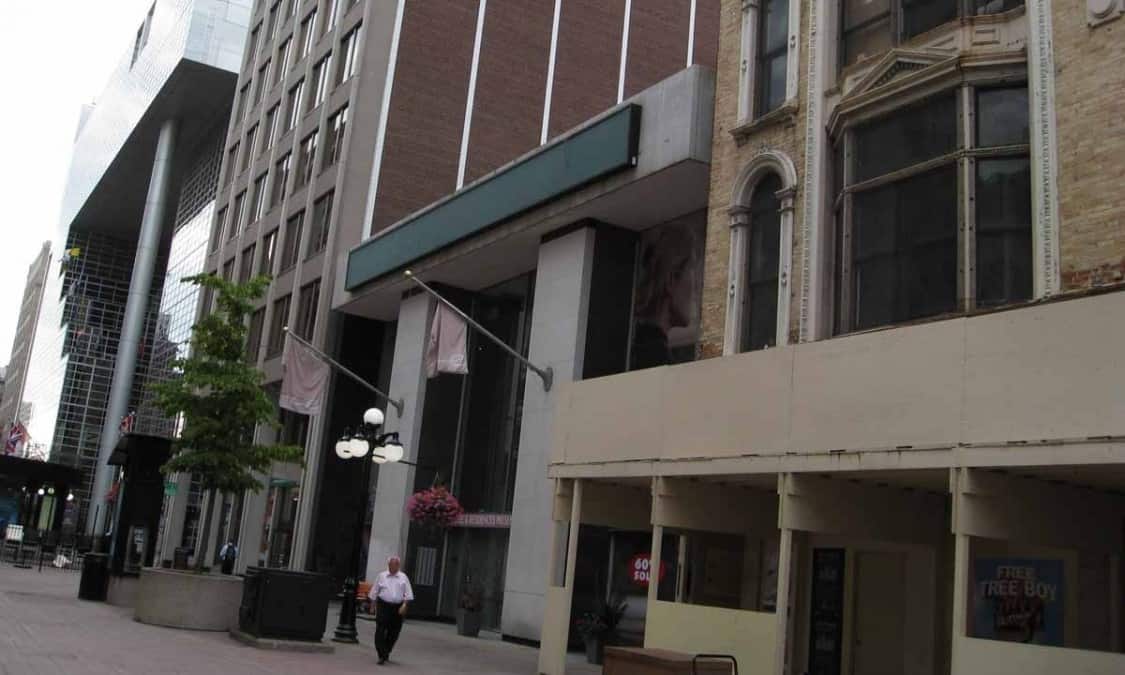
{"x": 434, "y": 507}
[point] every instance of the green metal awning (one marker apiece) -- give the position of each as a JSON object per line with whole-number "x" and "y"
{"x": 606, "y": 146}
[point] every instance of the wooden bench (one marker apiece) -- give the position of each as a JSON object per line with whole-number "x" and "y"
{"x": 645, "y": 661}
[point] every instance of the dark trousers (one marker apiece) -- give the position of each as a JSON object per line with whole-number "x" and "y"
{"x": 388, "y": 624}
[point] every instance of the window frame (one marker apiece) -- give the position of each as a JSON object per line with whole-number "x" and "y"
{"x": 762, "y": 57}
{"x": 279, "y": 317}
{"x": 294, "y": 98}
{"x": 335, "y": 129}
{"x": 291, "y": 246}
{"x": 306, "y": 160}
{"x": 268, "y": 257}
{"x": 347, "y": 66}
{"x": 321, "y": 72}
{"x": 282, "y": 171}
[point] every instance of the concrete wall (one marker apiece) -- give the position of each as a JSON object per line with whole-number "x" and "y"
{"x": 389, "y": 525}
{"x": 1029, "y": 375}
{"x": 748, "y": 636}
{"x": 558, "y": 339}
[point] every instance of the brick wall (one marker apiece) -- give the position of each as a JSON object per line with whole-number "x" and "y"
{"x": 511, "y": 83}
{"x": 427, "y": 111}
{"x": 658, "y": 37}
{"x": 727, "y": 160}
{"x": 587, "y": 62}
{"x": 1089, "y": 87}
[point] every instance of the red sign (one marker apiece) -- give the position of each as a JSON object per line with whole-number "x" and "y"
{"x": 640, "y": 569}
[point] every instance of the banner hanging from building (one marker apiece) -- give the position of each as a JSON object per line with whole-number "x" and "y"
{"x": 1019, "y": 600}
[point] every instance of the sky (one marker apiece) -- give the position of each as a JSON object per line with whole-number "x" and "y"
{"x": 58, "y": 56}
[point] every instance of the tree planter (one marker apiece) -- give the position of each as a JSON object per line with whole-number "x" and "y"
{"x": 468, "y": 622}
{"x": 186, "y": 600}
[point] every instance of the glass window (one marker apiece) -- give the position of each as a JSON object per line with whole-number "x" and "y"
{"x": 306, "y": 152}
{"x": 294, "y": 112}
{"x": 259, "y": 198}
{"x": 240, "y": 105}
{"x": 764, "y": 254}
{"x": 308, "y": 34}
{"x": 349, "y": 47}
{"x": 293, "y": 228}
{"x": 908, "y": 137}
{"x": 232, "y": 159}
{"x": 278, "y": 322}
{"x": 271, "y": 129}
{"x": 249, "y": 154}
{"x": 334, "y": 141}
{"x": 994, "y": 6}
{"x": 320, "y": 80}
{"x": 773, "y": 54}
{"x": 333, "y": 7}
{"x": 919, "y": 16}
{"x": 1002, "y": 117}
{"x": 269, "y": 252}
{"x": 252, "y": 46}
{"x": 902, "y": 248}
{"x": 281, "y": 178}
{"x": 320, "y": 226}
{"x": 905, "y": 249}
{"x": 228, "y": 270}
{"x": 866, "y": 29}
{"x": 239, "y": 214}
{"x": 1003, "y": 210}
{"x": 306, "y": 310}
{"x": 246, "y": 264}
{"x": 217, "y": 229}
{"x": 262, "y": 82}
{"x": 271, "y": 23}
{"x": 283, "y": 60}
{"x": 254, "y": 335}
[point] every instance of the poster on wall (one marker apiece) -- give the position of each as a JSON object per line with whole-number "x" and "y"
{"x": 668, "y": 293}
{"x": 1019, "y": 600}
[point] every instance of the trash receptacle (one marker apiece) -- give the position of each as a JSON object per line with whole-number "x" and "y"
{"x": 95, "y": 577}
{"x": 180, "y": 558}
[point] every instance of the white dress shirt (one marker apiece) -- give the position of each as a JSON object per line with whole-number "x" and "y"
{"x": 392, "y": 588}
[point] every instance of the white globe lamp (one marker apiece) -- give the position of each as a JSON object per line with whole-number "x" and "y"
{"x": 344, "y": 448}
{"x": 393, "y": 452}
{"x": 373, "y": 416}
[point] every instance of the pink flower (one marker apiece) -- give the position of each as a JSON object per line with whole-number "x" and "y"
{"x": 434, "y": 506}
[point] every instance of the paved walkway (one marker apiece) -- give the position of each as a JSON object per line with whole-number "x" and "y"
{"x": 45, "y": 629}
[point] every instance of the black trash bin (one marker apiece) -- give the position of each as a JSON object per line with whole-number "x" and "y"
{"x": 284, "y": 604}
{"x": 95, "y": 577}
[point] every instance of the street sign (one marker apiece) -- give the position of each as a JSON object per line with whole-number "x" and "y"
{"x": 170, "y": 488}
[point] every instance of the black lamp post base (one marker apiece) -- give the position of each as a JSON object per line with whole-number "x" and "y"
{"x": 345, "y": 627}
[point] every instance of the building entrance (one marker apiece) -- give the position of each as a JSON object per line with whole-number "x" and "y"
{"x": 878, "y": 637}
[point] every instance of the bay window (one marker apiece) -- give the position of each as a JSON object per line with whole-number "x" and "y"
{"x": 933, "y": 211}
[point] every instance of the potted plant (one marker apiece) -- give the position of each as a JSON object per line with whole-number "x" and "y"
{"x": 220, "y": 400}
{"x": 469, "y": 610}
{"x": 600, "y": 626}
{"x": 434, "y": 507}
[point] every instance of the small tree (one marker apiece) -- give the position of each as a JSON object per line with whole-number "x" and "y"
{"x": 221, "y": 399}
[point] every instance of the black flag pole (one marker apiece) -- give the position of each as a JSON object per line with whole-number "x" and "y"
{"x": 397, "y": 403}
{"x": 545, "y": 374}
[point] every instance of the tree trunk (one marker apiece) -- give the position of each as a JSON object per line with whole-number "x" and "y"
{"x": 201, "y": 554}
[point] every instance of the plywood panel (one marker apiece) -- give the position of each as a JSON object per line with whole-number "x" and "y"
{"x": 751, "y": 637}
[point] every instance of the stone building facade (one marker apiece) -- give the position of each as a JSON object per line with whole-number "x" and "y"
{"x": 900, "y": 448}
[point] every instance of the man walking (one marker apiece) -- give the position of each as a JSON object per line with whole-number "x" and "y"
{"x": 391, "y": 593}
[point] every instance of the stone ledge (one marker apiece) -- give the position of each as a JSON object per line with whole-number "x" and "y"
{"x": 786, "y": 114}
{"x": 187, "y": 600}
{"x": 275, "y": 644}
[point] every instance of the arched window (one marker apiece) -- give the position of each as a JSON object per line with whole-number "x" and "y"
{"x": 762, "y": 266}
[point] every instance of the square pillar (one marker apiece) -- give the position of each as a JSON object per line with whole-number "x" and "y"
{"x": 558, "y": 340}
{"x": 556, "y": 620}
{"x": 389, "y": 526}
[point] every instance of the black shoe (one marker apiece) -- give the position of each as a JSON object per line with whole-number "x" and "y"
{"x": 382, "y": 660}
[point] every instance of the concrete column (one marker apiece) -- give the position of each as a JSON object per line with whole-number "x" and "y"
{"x": 309, "y": 481}
{"x": 174, "y": 518}
{"x": 148, "y": 245}
{"x": 389, "y": 526}
{"x": 558, "y": 340}
{"x": 655, "y": 558}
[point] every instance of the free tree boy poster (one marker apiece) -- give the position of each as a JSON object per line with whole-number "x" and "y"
{"x": 1019, "y": 600}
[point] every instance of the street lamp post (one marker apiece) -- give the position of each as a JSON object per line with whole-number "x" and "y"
{"x": 384, "y": 449}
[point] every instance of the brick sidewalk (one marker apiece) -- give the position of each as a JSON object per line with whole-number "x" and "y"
{"x": 45, "y": 629}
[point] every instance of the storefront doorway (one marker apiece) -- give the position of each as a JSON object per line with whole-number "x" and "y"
{"x": 880, "y": 614}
